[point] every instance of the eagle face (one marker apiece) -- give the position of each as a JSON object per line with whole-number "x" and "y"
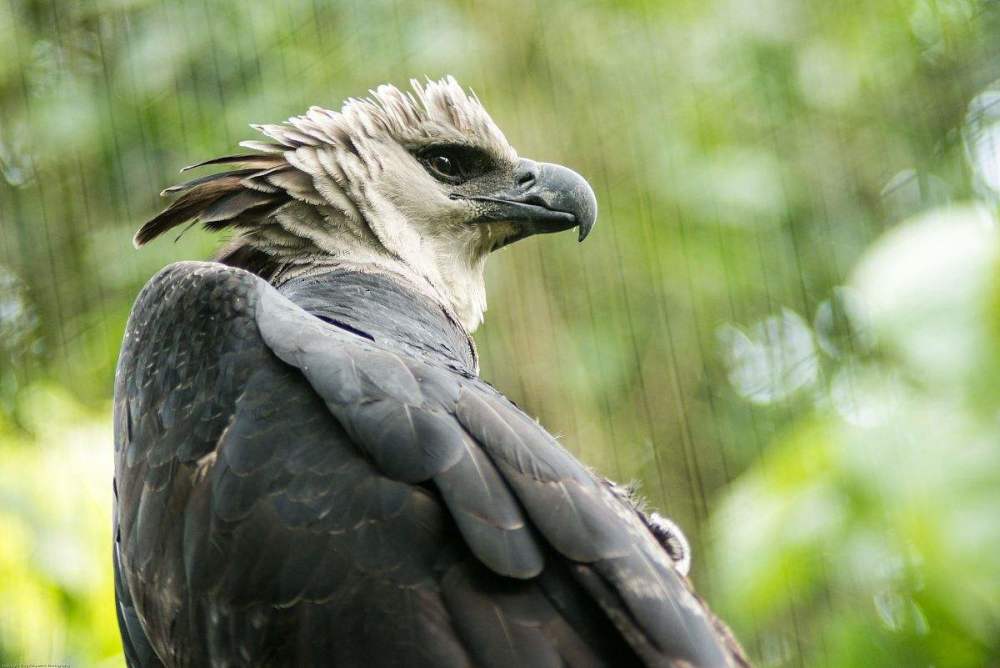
{"x": 421, "y": 184}
{"x": 443, "y": 177}
{"x": 485, "y": 198}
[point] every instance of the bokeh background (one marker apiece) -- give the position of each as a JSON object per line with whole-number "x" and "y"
{"x": 786, "y": 326}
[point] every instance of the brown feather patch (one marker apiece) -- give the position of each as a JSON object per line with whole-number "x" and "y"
{"x": 217, "y": 201}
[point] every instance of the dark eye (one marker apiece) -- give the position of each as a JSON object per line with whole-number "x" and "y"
{"x": 444, "y": 166}
{"x": 454, "y": 163}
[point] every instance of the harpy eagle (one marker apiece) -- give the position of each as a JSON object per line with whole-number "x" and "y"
{"x": 308, "y": 468}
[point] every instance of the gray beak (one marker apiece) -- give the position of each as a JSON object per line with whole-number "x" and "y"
{"x": 545, "y": 198}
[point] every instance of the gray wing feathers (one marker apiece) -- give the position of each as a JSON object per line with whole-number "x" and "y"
{"x": 563, "y": 499}
{"x": 495, "y": 468}
{"x": 252, "y": 531}
{"x": 581, "y": 518}
{"x": 399, "y": 411}
{"x": 488, "y": 516}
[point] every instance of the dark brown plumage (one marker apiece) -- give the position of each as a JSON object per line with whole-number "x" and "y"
{"x": 218, "y": 201}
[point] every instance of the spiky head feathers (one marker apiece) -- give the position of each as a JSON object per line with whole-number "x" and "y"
{"x": 435, "y": 112}
{"x": 418, "y": 183}
{"x": 315, "y": 157}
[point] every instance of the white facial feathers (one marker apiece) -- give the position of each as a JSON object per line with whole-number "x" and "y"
{"x": 385, "y": 210}
{"x": 348, "y": 187}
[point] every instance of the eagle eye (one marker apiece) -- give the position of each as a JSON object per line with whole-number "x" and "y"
{"x": 454, "y": 163}
{"x": 443, "y": 165}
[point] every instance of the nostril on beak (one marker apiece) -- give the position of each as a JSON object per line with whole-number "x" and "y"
{"x": 527, "y": 178}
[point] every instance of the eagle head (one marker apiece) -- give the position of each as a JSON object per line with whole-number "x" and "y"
{"x": 419, "y": 183}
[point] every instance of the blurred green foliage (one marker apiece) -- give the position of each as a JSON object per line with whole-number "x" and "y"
{"x": 868, "y": 531}
{"x": 783, "y": 327}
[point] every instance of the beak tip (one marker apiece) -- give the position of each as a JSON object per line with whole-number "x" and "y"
{"x": 558, "y": 199}
{"x": 588, "y": 214}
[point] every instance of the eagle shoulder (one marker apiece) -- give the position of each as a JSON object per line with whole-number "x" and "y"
{"x": 188, "y": 349}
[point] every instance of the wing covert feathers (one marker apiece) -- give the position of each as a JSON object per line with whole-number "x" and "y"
{"x": 531, "y": 491}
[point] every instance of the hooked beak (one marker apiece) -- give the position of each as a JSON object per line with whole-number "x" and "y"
{"x": 545, "y": 198}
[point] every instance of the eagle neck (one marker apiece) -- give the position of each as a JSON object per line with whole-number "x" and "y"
{"x": 386, "y": 310}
